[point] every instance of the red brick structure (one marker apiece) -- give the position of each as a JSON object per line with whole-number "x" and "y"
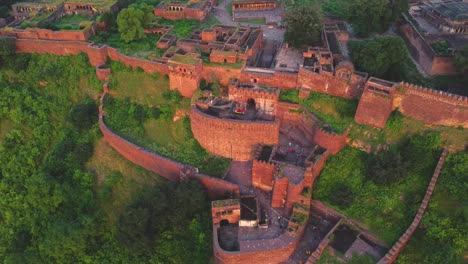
{"x": 230, "y": 138}
{"x": 47, "y": 34}
{"x": 184, "y": 73}
{"x": 376, "y": 103}
{"x": 253, "y": 5}
{"x": 179, "y": 10}
{"x": 431, "y": 106}
{"x": 103, "y": 72}
{"x": 228, "y": 210}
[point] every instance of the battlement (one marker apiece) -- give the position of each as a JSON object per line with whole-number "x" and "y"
{"x": 407, "y": 88}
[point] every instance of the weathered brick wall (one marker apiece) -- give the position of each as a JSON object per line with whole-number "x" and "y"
{"x": 431, "y": 106}
{"x": 373, "y": 109}
{"x": 217, "y": 188}
{"x": 262, "y": 255}
{"x": 102, "y": 73}
{"x": 162, "y": 166}
{"x": 232, "y": 138}
{"x": 267, "y": 77}
{"x": 262, "y": 174}
{"x": 329, "y": 84}
{"x": 280, "y": 192}
{"x": 332, "y": 142}
{"x": 146, "y": 65}
{"x": 223, "y": 74}
{"x": 423, "y": 53}
{"x": 47, "y": 34}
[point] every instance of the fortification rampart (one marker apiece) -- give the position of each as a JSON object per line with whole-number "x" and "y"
{"x": 47, "y": 34}
{"x": 331, "y": 141}
{"x": 265, "y": 251}
{"x": 431, "y": 106}
{"x": 427, "y": 105}
{"x": 231, "y": 138}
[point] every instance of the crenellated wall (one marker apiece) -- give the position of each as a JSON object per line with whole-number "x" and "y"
{"x": 331, "y": 141}
{"x": 231, "y": 138}
{"x": 431, "y": 106}
{"x": 268, "y": 77}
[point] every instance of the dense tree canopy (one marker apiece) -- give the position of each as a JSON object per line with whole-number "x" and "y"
{"x": 51, "y": 207}
{"x": 303, "y": 25}
{"x": 132, "y": 20}
{"x": 381, "y": 57}
{"x": 461, "y": 60}
{"x": 368, "y": 16}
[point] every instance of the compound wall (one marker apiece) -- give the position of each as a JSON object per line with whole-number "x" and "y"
{"x": 431, "y": 106}
{"x": 230, "y": 138}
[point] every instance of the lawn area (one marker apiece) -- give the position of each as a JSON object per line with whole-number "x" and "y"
{"x": 163, "y": 128}
{"x": 339, "y": 114}
{"x": 118, "y": 180}
{"x": 183, "y": 28}
{"x": 255, "y": 21}
{"x": 140, "y": 48}
{"x": 444, "y": 226}
{"x": 71, "y": 22}
{"x": 348, "y": 183}
{"x": 330, "y": 256}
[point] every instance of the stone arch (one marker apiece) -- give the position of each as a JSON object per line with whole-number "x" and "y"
{"x": 224, "y": 222}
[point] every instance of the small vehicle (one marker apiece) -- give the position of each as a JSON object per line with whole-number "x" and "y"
{"x": 239, "y": 111}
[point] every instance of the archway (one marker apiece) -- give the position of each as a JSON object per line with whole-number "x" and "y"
{"x": 224, "y": 222}
{"x": 251, "y": 104}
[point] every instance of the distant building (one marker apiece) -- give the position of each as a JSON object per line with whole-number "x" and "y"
{"x": 253, "y": 5}
{"x": 179, "y": 10}
{"x": 449, "y": 16}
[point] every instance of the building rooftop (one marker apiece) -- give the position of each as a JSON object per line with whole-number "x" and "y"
{"x": 456, "y": 11}
{"x": 189, "y": 58}
{"x": 223, "y": 203}
{"x": 253, "y": 1}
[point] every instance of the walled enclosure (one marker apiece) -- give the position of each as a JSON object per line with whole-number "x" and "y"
{"x": 441, "y": 108}
{"x": 230, "y": 138}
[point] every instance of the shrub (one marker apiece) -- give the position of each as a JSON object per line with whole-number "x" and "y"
{"x": 342, "y": 195}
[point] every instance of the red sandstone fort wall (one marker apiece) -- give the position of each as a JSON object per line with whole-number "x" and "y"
{"x": 261, "y": 256}
{"x": 328, "y": 84}
{"x": 222, "y": 74}
{"x": 285, "y": 80}
{"x": 47, "y": 34}
{"x": 332, "y": 142}
{"x": 232, "y": 138}
{"x": 431, "y": 106}
{"x": 217, "y": 188}
{"x": 373, "y": 109}
{"x": 162, "y": 166}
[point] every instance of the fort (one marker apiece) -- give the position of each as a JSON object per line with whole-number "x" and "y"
{"x": 261, "y": 207}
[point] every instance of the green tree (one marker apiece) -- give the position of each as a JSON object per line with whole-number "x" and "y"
{"x": 303, "y": 25}
{"x": 7, "y": 48}
{"x": 386, "y": 167}
{"x": 131, "y": 22}
{"x": 461, "y": 61}
{"x": 369, "y": 16}
{"x": 382, "y": 57}
{"x": 109, "y": 19}
{"x": 342, "y": 195}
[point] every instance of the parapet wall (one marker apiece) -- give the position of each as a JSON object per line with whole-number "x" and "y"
{"x": 217, "y": 188}
{"x": 47, "y": 34}
{"x": 268, "y": 77}
{"x": 431, "y": 106}
{"x": 97, "y": 54}
{"x": 162, "y": 166}
{"x": 230, "y": 138}
{"x": 332, "y": 142}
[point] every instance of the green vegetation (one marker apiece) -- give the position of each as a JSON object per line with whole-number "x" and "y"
{"x": 168, "y": 134}
{"x": 71, "y": 22}
{"x": 461, "y": 62}
{"x": 337, "y": 258}
{"x": 65, "y": 195}
{"x": 255, "y": 21}
{"x": 309, "y": 19}
{"x": 131, "y": 21}
{"x": 387, "y": 208}
{"x": 388, "y": 58}
{"x": 140, "y": 48}
{"x": 441, "y": 47}
{"x": 444, "y": 226}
